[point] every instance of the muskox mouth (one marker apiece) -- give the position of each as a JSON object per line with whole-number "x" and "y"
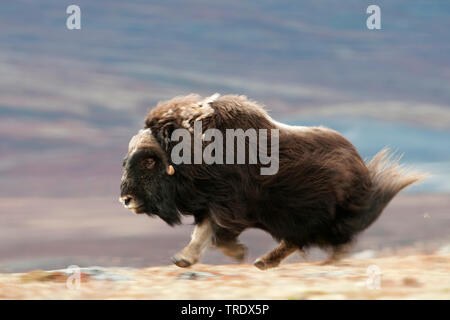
{"x": 137, "y": 210}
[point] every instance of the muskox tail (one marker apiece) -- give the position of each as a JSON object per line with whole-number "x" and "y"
{"x": 388, "y": 178}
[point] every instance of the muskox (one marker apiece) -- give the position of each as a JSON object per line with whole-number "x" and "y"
{"x": 322, "y": 194}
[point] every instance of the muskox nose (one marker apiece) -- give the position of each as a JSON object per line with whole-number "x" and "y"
{"x": 126, "y": 200}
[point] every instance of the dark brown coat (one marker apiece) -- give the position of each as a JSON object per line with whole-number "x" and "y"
{"x": 324, "y": 194}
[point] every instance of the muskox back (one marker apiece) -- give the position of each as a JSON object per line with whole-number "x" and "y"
{"x": 323, "y": 193}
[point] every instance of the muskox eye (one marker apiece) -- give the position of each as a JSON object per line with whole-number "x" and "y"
{"x": 149, "y": 163}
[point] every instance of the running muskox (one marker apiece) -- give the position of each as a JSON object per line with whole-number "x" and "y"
{"x": 305, "y": 186}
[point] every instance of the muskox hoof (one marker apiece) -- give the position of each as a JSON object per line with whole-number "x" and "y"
{"x": 263, "y": 265}
{"x": 260, "y": 265}
{"x": 181, "y": 262}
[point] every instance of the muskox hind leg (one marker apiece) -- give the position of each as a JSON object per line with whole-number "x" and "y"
{"x": 201, "y": 238}
{"x": 226, "y": 240}
{"x": 338, "y": 252}
{"x": 274, "y": 257}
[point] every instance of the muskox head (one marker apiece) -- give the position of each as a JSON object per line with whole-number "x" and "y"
{"x": 146, "y": 185}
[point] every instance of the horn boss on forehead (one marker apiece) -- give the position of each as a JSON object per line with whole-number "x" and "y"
{"x": 142, "y": 139}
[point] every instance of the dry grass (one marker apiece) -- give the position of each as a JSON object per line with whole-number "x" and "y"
{"x": 402, "y": 277}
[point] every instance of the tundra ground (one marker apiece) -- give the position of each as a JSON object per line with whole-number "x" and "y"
{"x": 420, "y": 276}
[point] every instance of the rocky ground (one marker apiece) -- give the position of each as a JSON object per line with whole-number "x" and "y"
{"x": 419, "y": 276}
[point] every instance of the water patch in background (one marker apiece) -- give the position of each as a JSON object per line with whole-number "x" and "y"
{"x": 423, "y": 148}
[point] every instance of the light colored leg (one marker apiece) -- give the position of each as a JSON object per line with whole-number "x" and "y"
{"x": 200, "y": 240}
{"x": 274, "y": 257}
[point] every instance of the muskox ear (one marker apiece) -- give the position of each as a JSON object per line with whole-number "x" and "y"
{"x": 170, "y": 170}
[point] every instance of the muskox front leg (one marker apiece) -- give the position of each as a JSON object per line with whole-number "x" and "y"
{"x": 200, "y": 240}
{"x": 274, "y": 257}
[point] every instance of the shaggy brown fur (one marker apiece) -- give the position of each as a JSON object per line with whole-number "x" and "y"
{"x": 323, "y": 194}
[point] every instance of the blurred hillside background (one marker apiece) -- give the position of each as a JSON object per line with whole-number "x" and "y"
{"x": 71, "y": 99}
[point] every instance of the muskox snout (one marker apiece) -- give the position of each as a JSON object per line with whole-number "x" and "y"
{"x": 131, "y": 203}
{"x": 126, "y": 200}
